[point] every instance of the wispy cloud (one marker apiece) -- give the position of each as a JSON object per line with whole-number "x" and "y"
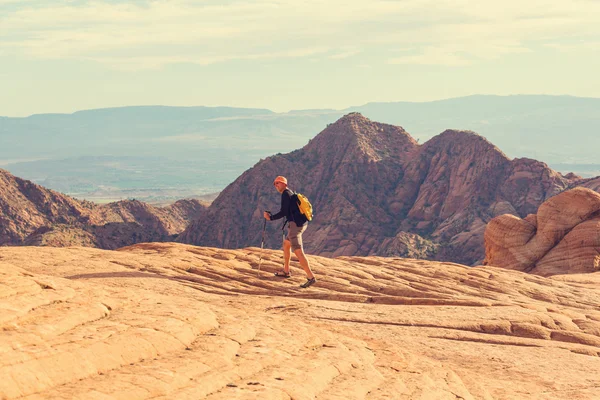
{"x": 185, "y": 138}
{"x": 132, "y": 63}
{"x": 576, "y": 46}
{"x": 492, "y": 30}
{"x": 432, "y": 56}
{"x": 344, "y": 54}
{"x": 151, "y": 34}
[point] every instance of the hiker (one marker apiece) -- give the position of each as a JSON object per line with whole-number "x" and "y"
{"x": 297, "y": 224}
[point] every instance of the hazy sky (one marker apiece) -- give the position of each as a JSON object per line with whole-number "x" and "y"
{"x": 63, "y": 56}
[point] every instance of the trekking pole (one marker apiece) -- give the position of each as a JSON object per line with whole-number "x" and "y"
{"x": 262, "y": 245}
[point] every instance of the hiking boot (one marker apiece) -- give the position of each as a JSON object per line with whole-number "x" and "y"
{"x": 308, "y": 283}
{"x": 283, "y": 274}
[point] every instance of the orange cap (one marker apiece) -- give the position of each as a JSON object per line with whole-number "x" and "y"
{"x": 280, "y": 179}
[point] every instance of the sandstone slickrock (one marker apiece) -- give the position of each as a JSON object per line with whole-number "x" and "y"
{"x": 33, "y": 215}
{"x": 372, "y": 184}
{"x": 563, "y": 237}
{"x": 173, "y": 321}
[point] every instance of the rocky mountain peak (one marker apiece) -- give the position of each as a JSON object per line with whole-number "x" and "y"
{"x": 356, "y": 136}
{"x": 353, "y": 116}
{"x": 375, "y": 191}
{"x": 461, "y": 141}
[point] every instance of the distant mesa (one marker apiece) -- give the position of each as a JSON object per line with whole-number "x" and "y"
{"x": 562, "y": 238}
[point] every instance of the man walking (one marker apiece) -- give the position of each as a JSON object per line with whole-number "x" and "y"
{"x": 297, "y": 224}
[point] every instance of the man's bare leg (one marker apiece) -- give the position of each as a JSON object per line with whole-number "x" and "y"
{"x": 287, "y": 255}
{"x": 303, "y": 262}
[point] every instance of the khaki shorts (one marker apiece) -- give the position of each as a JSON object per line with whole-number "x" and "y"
{"x": 295, "y": 235}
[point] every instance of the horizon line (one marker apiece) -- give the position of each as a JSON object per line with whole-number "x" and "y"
{"x": 270, "y": 111}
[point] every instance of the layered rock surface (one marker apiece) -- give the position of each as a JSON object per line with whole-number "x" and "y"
{"x": 33, "y": 215}
{"x": 563, "y": 237}
{"x": 171, "y": 321}
{"x": 372, "y": 184}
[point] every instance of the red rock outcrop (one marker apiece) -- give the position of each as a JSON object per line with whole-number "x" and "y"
{"x": 342, "y": 170}
{"x": 563, "y": 237}
{"x": 370, "y": 182}
{"x": 33, "y": 215}
{"x": 172, "y": 321}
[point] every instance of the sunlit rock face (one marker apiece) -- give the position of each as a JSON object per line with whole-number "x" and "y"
{"x": 562, "y": 238}
{"x": 173, "y": 321}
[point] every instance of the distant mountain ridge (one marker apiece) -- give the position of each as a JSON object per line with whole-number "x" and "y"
{"x": 552, "y": 129}
{"x": 376, "y": 191}
{"x": 199, "y": 149}
{"x": 222, "y": 142}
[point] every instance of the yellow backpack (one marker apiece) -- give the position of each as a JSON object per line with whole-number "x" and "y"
{"x": 304, "y": 206}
